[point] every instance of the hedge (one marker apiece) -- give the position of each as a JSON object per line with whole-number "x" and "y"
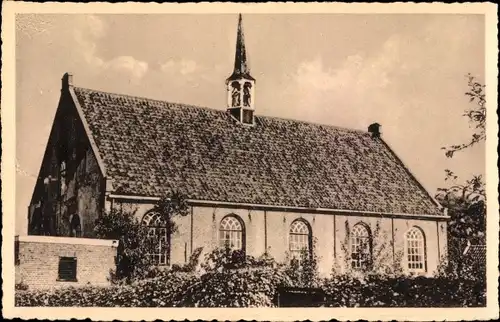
{"x": 232, "y": 279}
{"x": 164, "y": 290}
{"x": 257, "y": 288}
{"x": 375, "y": 291}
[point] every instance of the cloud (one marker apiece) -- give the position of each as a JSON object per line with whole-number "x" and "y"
{"x": 412, "y": 84}
{"x": 93, "y": 28}
{"x": 183, "y": 67}
{"x": 168, "y": 66}
{"x": 88, "y": 49}
{"x": 187, "y": 67}
{"x": 355, "y": 78}
{"x": 129, "y": 64}
{"x": 33, "y": 24}
{"x": 353, "y": 93}
{"x": 356, "y": 72}
{"x": 96, "y": 26}
{"x": 364, "y": 84}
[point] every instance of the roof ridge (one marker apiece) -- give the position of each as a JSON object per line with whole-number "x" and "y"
{"x": 316, "y": 123}
{"x": 150, "y": 99}
{"x": 223, "y": 111}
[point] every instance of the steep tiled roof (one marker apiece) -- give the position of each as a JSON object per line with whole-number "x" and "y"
{"x": 150, "y": 146}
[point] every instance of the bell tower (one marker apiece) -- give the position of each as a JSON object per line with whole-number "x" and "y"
{"x": 240, "y": 85}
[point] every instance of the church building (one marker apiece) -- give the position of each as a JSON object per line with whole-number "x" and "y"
{"x": 263, "y": 184}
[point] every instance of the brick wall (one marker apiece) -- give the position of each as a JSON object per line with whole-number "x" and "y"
{"x": 38, "y": 261}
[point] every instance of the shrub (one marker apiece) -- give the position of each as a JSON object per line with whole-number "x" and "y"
{"x": 374, "y": 291}
{"x": 233, "y": 288}
{"x": 135, "y": 239}
{"x": 302, "y": 272}
{"x": 21, "y": 286}
{"x": 379, "y": 261}
{"x": 192, "y": 265}
{"x": 165, "y": 290}
{"x": 231, "y": 281}
{"x": 230, "y": 278}
{"x": 225, "y": 258}
{"x": 125, "y": 227}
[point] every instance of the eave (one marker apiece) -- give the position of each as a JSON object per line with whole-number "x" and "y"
{"x": 234, "y": 205}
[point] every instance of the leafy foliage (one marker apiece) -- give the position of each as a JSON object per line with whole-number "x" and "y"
{"x": 466, "y": 204}
{"x": 233, "y": 280}
{"x": 459, "y": 266}
{"x": 171, "y": 205}
{"x": 234, "y": 288}
{"x": 133, "y": 243}
{"x": 379, "y": 260}
{"x": 21, "y": 286}
{"x": 193, "y": 263}
{"x": 257, "y": 288}
{"x": 302, "y": 272}
{"x": 134, "y": 239}
{"x": 165, "y": 290}
{"x": 381, "y": 291}
{"x": 476, "y": 116}
{"x": 225, "y": 258}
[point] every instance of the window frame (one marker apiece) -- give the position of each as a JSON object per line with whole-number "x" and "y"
{"x": 422, "y": 248}
{"x": 74, "y": 270}
{"x": 242, "y": 232}
{"x": 366, "y": 263}
{"x": 309, "y": 234}
{"x": 163, "y": 249}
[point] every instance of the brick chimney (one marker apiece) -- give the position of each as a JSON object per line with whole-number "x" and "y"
{"x": 67, "y": 81}
{"x": 374, "y": 129}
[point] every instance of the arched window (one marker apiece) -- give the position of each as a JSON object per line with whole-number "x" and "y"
{"x": 232, "y": 233}
{"x": 158, "y": 247}
{"x": 360, "y": 246}
{"x": 300, "y": 238}
{"x": 415, "y": 250}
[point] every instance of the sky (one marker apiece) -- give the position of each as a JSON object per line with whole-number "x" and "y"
{"x": 406, "y": 72}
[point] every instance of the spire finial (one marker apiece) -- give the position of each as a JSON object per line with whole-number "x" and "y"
{"x": 240, "y": 85}
{"x": 241, "y": 69}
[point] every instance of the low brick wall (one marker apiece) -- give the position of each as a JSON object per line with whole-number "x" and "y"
{"x": 38, "y": 261}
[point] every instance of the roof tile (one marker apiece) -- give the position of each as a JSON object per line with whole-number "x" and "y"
{"x": 150, "y": 147}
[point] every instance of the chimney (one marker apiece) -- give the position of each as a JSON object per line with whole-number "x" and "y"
{"x": 67, "y": 81}
{"x": 374, "y": 129}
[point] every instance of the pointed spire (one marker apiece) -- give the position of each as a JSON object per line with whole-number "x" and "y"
{"x": 241, "y": 69}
